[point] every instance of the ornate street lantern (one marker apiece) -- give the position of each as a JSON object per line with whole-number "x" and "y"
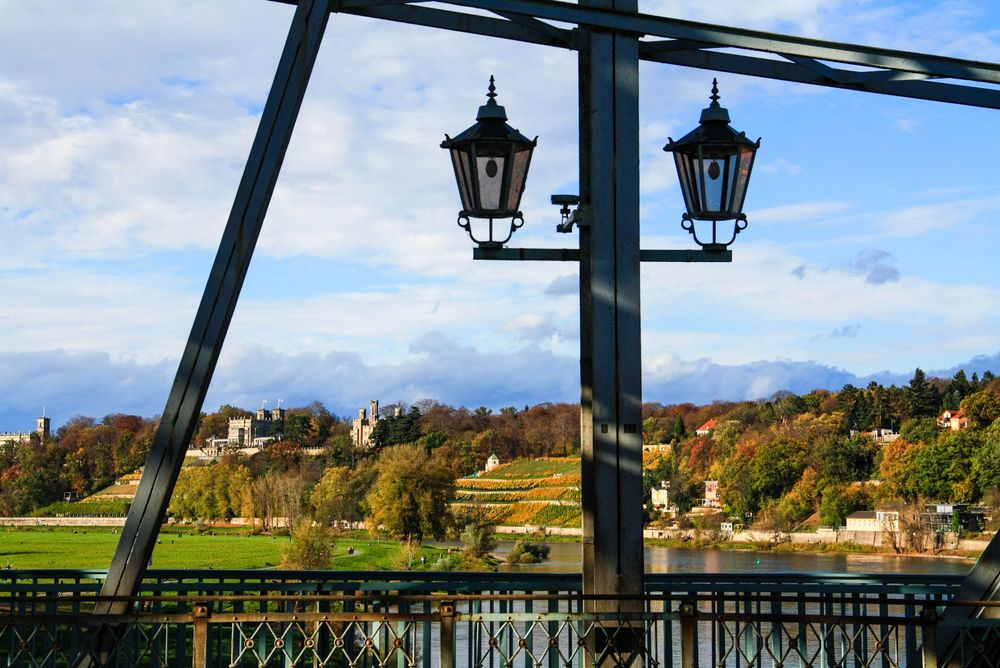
{"x": 491, "y": 162}
{"x": 713, "y": 165}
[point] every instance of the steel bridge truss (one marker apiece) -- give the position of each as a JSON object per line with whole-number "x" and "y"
{"x": 706, "y": 46}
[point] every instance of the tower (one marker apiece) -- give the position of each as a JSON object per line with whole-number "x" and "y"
{"x": 43, "y": 428}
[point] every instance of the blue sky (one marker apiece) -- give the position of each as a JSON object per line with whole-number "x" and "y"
{"x": 124, "y": 128}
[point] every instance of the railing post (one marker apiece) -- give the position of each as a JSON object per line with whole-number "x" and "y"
{"x": 689, "y": 634}
{"x": 200, "y": 614}
{"x": 447, "y": 648}
{"x": 929, "y": 616}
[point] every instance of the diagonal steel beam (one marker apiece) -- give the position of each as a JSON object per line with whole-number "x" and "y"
{"x": 973, "y": 96}
{"x": 618, "y": 21}
{"x": 135, "y": 547}
{"x": 695, "y": 53}
{"x": 635, "y": 23}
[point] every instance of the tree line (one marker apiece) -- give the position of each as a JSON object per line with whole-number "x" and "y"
{"x": 778, "y": 460}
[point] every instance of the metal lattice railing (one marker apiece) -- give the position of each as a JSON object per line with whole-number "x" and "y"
{"x": 239, "y": 618}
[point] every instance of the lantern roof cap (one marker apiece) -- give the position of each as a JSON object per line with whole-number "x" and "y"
{"x": 713, "y": 129}
{"x": 491, "y": 123}
{"x": 491, "y": 110}
{"x": 714, "y": 113}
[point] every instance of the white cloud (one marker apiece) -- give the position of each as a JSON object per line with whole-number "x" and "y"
{"x": 123, "y": 144}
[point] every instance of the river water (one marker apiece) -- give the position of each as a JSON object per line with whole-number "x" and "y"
{"x": 566, "y": 558}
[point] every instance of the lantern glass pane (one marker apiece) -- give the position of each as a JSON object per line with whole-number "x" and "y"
{"x": 490, "y": 172}
{"x": 460, "y": 160}
{"x": 518, "y": 176}
{"x": 729, "y": 174}
{"x": 682, "y": 160}
{"x": 742, "y": 178}
{"x": 711, "y": 175}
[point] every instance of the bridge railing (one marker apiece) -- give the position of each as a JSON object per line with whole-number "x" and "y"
{"x": 268, "y": 618}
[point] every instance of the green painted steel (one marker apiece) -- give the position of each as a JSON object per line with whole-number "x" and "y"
{"x": 308, "y": 618}
{"x": 690, "y": 44}
{"x": 573, "y": 255}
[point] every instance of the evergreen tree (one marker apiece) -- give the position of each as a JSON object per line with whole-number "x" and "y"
{"x": 924, "y": 398}
{"x": 680, "y": 433}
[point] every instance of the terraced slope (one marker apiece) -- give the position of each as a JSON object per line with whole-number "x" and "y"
{"x": 536, "y": 492}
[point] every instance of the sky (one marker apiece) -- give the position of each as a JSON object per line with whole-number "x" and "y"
{"x": 125, "y": 126}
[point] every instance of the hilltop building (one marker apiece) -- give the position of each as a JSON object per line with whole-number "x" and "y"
{"x": 43, "y": 429}
{"x": 253, "y": 432}
{"x": 256, "y": 431}
{"x": 363, "y": 426}
{"x": 492, "y": 462}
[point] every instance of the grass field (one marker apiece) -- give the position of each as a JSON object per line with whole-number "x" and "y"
{"x": 94, "y": 547}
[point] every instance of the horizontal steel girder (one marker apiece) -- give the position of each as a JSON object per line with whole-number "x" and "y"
{"x": 687, "y": 44}
{"x": 573, "y": 255}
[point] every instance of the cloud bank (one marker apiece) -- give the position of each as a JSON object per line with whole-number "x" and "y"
{"x": 66, "y": 384}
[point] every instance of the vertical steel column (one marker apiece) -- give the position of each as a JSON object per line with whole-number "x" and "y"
{"x": 610, "y": 365}
{"x": 135, "y": 547}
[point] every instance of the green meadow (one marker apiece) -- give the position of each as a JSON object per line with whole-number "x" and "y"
{"x": 92, "y": 548}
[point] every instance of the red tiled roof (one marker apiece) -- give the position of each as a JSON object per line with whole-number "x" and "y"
{"x": 708, "y": 425}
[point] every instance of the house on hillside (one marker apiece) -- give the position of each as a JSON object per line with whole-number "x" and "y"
{"x": 711, "y": 499}
{"x": 704, "y": 429}
{"x": 492, "y": 462}
{"x": 660, "y": 496}
{"x": 879, "y": 435}
{"x": 954, "y": 420}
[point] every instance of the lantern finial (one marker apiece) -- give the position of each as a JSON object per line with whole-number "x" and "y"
{"x": 714, "y": 112}
{"x": 491, "y": 110}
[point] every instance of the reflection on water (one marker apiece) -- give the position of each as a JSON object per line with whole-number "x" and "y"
{"x": 566, "y": 558}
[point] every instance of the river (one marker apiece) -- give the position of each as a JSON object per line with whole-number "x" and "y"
{"x": 566, "y": 558}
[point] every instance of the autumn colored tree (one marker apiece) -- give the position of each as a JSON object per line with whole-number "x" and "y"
{"x": 411, "y": 494}
{"x": 982, "y": 408}
{"x": 340, "y": 493}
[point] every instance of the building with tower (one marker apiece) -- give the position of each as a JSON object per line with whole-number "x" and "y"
{"x": 43, "y": 430}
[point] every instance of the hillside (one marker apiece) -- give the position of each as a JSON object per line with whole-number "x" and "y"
{"x": 539, "y": 492}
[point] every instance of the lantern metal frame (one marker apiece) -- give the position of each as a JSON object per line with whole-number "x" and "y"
{"x": 491, "y": 161}
{"x": 714, "y": 163}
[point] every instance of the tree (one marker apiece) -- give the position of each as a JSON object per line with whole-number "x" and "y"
{"x": 986, "y": 460}
{"x": 853, "y": 403}
{"x": 925, "y": 400}
{"x": 478, "y": 539}
{"x": 839, "y": 501}
{"x": 340, "y": 494}
{"x": 943, "y": 470}
{"x": 680, "y": 433}
{"x": 311, "y": 548}
{"x": 920, "y": 430}
{"x": 397, "y": 429}
{"x": 776, "y": 467}
{"x": 896, "y": 470}
{"x": 983, "y": 407}
{"x": 411, "y": 494}
{"x": 846, "y": 459}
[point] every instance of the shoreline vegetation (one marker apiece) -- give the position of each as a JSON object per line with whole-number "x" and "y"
{"x": 229, "y": 548}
